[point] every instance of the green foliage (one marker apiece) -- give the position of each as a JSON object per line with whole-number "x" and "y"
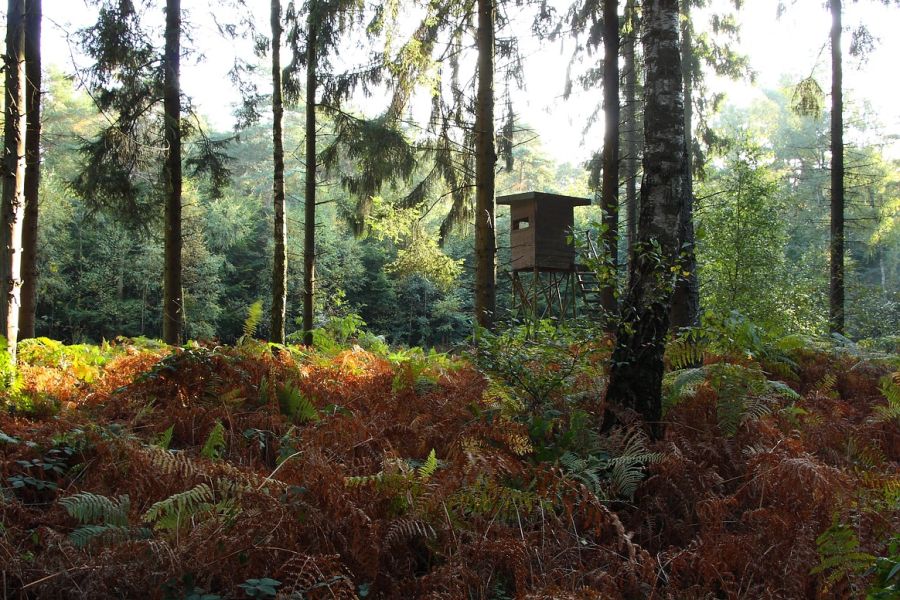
{"x": 254, "y": 315}
{"x": 90, "y": 508}
{"x": 890, "y": 389}
{"x": 103, "y": 520}
{"x": 8, "y": 379}
{"x": 260, "y": 588}
{"x": 214, "y": 447}
{"x": 742, "y": 393}
{"x": 174, "y": 512}
{"x": 839, "y": 555}
{"x": 295, "y": 405}
{"x": 165, "y": 438}
{"x": 887, "y": 573}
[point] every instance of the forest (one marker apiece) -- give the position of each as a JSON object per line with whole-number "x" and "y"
{"x": 372, "y": 334}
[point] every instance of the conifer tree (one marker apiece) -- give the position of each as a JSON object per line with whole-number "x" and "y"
{"x": 173, "y": 292}
{"x": 279, "y": 270}
{"x": 33, "y": 17}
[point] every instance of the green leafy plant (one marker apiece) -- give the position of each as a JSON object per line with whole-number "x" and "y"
{"x": 102, "y": 519}
{"x": 260, "y": 588}
{"x": 251, "y": 323}
{"x": 839, "y": 555}
{"x": 295, "y": 405}
{"x": 214, "y": 447}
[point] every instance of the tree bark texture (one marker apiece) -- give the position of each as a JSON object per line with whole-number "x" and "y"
{"x": 279, "y": 270}
{"x": 836, "y": 291}
{"x": 309, "y": 225}
{"x": 33, "y": 17}
{"x": 632, "y": 134}
{"x": 485, "y": 160}
{"x": 686, "y": 301}
{"x": 15, "y": 126}
{"x": 173, "y": 301}
{"x": 610, "y": 185}
{"x": 637, "y": 362}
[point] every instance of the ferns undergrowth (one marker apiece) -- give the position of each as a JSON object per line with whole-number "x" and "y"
{"x": 352, "y": 474}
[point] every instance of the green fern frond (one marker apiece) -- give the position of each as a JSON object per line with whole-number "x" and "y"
{"x": 87, "y": 535}
{"x": 429, "y": 466}
{"x": 890, "y": 388}
{"x": 491, "y": 500}
{"x": 214, "y": 446}
{"x": 296, "y": 405}
{"x": 175, "y": 510}
{"x": 684, "y": 353}
{"x": 254, "y": 315}
{"x": 165, "y": 438}
{"x": 92, "y": 509}
{"x": 839, "y": 555}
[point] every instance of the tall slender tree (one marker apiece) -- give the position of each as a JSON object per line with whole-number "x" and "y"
{"x": 309, "y": 223}
{"x": 610, "y": 185}
{"x": 33, "y": 17}
{"x": 836, "y": 287}
{"x": 173, "y": 301}
{"x": 279, "y": 269}
{"x": 485, "y": 160}
{"x": 686, "y": 301}
{"x": 631, "y": 124}
{"x": 13, "y": 209}
{"x": 637, "y": 362}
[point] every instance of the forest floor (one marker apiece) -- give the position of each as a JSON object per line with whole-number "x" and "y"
{"x": 132, "y": 470}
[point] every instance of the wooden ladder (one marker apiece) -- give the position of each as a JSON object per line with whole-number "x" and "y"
{"x": 586, "y": 278}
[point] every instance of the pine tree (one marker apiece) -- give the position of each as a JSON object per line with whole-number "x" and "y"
{"x": 279, "y": 270}
{"x": 610, "y": 185}
{"x": 485, "y": 159}
{"x": 173, "y": 301}
{"x": 637, "y": 362}
{"x": 33, "y": 17}
{"x": 836, "y": 286}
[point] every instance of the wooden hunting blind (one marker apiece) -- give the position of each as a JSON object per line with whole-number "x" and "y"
{"x": 540, "y": 225}
{"x": 543, "y": 267}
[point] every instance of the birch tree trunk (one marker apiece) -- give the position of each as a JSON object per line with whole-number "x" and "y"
{"x": 173, "y": 301}
{"x": 279, "y": 271}
{"x": 637, "y": 361}
{"x": 485, "y": 159}
{"x": 33, "y": 16}
{"x": 14, "y": 164}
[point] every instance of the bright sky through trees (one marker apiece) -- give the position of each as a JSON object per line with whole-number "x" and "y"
{"x": 784, "y": 50}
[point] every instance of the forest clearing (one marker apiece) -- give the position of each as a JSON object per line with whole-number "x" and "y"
{"x": 450, "y": 299}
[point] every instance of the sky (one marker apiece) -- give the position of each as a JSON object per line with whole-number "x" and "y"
{"x": 792, "y": 47}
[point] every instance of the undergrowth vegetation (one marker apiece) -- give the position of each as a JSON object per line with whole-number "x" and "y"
{"x": 133, "y": 469}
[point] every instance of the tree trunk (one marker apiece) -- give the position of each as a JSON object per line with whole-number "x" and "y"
{"x": 27, "y": 314}
{"x": 279, "y": 272}
{"x": 686, "y": 301}
{"x": 632, "y": 129}
{"x": 14, "y": 173}
{"x": 610, "y": 185}
{"x": 173, "y": 309}
{"x": 637, "y": 361}
{"x": 485, "y": 159}
{"x": 309, "y": 225}
{"x": 836, "y": 291}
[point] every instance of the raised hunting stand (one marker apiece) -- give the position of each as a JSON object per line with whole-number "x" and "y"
{"x": 543, "y": 264}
